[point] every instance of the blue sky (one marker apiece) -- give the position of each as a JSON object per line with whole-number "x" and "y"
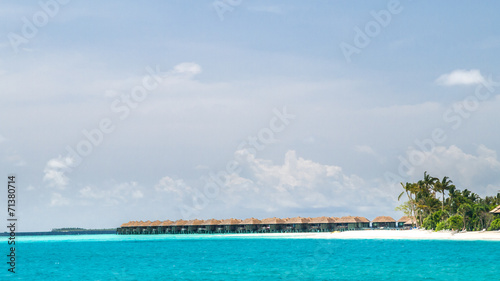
{"x": 222, "y": 78}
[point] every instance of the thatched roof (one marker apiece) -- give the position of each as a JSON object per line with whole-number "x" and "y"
{"x": 230, "y": 222}
{"x": 347, "y": 219}
{"x": 362, "y": 219}
{"x": 143, "y": 223}
{"x": 383, "y": 219}
{"x": 156, "y": 223}
{"x": 211, "y": 222}
{"x": 297, "y": 220}
{"x": 322, "y": 220}
{"x": 194, "y": 222}
{"x": 250, "y": 221}
{"x": 496, "y": 210}
{"x": 404, "y": 219}
{"x": 125, "y": 224}
{"x": 179, "y": 222}
{"x": 407, "y": 220}
{"x": 272, "y": 221}
{"x": 411, "y": 221}
{"x": 166, "y": 223}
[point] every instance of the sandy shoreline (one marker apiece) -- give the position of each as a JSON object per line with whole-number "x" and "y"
{"x": 415, "y": 234}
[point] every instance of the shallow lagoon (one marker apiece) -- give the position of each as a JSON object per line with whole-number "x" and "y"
{"x": 222, "y": 257}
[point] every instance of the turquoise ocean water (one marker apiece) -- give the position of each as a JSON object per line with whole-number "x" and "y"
{"x": 209, "y": 257}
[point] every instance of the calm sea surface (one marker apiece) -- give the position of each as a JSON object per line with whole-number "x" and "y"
{"x": 207, "y": 257}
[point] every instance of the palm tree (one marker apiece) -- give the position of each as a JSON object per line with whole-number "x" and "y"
{"x": 442, "y": 186}
{"x": 453, "y": 194}
{"x": 429, "y": 182}
{"x": 411, "y": 190}
{"x": 464, "y": 209}
{"x": 425, "y": 195}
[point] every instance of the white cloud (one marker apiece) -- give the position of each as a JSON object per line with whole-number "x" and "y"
{"x": 55, "y": 172}
{"x": 297, "y": 183}
{"x": 472, "y": 171}
{"x": 187, "y": 68}
{"x": 461, "y": 77}
{"x": 58, "y": 200}
{"x": 264, "y": 187}
{"x": 177, "y": 187}
{"x": 118, "y": 193}
{"x": 366, "y": 149}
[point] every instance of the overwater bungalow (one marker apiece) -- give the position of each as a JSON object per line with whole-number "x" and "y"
{"x": 250, "y": 225}
{"x": 179, "y": 226}
{"x": 268, "y": 225}
{"x": 384, "y": 222}
{"x": 346, "y": 223}
{"x": 352, "y": 223}
{"x": 165, "y": 227}
{"x": 154, "y": 228}
{"x": 410, "y": 223}
{"x": 296, "y": 224}
{"x": 194, "y": 225}
{"x": 362, "y": 222}
{"x": 271, "y": 225}
{"x": 210, "y": 226}
{"x": 402, "y": 220}
{"x": 128, "y": 229}
{"x": 134, "y": 227}
{"x": 406, "y": 222}
{"x": 229, "y": 225}
{"x": 146, "y": 227}
{"x": 321, "y": 224}
{"x": 140, "y": 227}
{"x": 123, "y": 228}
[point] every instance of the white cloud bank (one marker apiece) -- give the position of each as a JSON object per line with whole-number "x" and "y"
{"x": 117, "y": 194}
{"x": 461, "y": 77}
{"x": 296, "y": 184}
{"x": 479, "y": 172}
{"x": 54, "y": 172}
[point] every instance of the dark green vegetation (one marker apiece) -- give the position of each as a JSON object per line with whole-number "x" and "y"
{"x": 438, "y": 204}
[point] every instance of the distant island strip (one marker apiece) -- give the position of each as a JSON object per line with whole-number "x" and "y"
{"x": 269, "y": 225}
{"x": 65, "y": 231}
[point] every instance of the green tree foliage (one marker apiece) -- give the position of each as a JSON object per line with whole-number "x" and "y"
{"x": 442, "y": 225}
{"x": 455, "y": 222}
{"x": 434, "y": 202}
{"x": 433, "y": 220}
{"x": 495, "y": 225}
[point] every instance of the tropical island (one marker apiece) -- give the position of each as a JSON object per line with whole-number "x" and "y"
{"x": 432, "y": 205}
{"x": 65, "y": 231}
{"x": 460, "y": 210}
